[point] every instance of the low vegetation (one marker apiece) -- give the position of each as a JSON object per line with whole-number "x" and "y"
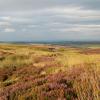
{"x": 48, "y": 72}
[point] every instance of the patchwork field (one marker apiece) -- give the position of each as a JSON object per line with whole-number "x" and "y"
{"x": 49, "y": 72}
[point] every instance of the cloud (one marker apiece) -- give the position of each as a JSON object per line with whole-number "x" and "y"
{"x": 49, "y": 20}
{"x": 5, "y": 18}
{"x": 9, "y": 30}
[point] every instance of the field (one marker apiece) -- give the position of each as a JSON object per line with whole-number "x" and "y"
{"x": 49, "y": 72}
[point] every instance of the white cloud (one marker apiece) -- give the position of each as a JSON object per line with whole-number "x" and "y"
{"x": 73, "y": 11}
{"x": 6, "y": 18}
{"x": 5, "y": 23}
{"x": 31, "y": 26}
{"x": 9, "y": 30}
{"x": 79, "y": 28}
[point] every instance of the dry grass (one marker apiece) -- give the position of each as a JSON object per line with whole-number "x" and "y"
{"x": 43, "y": 72}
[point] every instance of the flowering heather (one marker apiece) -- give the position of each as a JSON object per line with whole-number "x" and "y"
{"x": 40, "y": 73}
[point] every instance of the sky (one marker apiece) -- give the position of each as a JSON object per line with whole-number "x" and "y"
{"x": 49, "y": 20}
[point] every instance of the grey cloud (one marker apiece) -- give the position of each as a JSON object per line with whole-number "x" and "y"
{"x": 49, "y": 20}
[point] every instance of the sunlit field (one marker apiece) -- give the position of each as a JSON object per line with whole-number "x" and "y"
{"x": 49, "y": 72}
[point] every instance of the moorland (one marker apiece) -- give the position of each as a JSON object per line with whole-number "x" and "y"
{"x": 49, "y": 72}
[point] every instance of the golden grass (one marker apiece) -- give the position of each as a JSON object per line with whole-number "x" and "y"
{"x": 38, "y": 72}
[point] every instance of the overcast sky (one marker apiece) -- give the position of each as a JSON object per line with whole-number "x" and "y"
{"x": 49, "y": 20}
